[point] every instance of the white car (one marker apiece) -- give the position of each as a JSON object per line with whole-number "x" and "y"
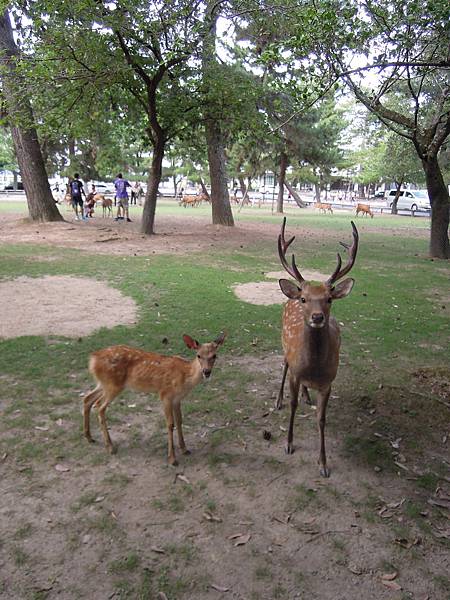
{"x": 104, "y": 188}
{"x": 413, "y": 200}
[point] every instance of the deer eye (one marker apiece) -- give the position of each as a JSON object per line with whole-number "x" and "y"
{"x": 214, "y": 357}
{"x": 303, "y": 300}
{"x": 329, "y": 300}
{"x": 198, "y": 356}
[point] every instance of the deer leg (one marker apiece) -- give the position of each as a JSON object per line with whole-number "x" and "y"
{"x": 279, "y": 402}
{"x": 88, "y": 401}
{"x": 168, "y": 413}
{"x": 322, "y": 402}
{"x": 294, "y": 385}
{"x": 305, "y": 395}
{"x": 108, "y": 396}
{"x": 179, "y": 425}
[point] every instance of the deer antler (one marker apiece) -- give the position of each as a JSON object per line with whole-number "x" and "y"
{"x": 283, "y": 245}
{"x": 351, "y": 250}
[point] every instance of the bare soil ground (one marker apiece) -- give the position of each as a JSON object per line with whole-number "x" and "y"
{"x": 238, "y": 518}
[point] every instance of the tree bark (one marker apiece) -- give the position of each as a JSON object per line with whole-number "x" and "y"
{"x": 440, "y": 207}
{"x": 154, "y": 179}
{"x": 281, "y": 180}
{"x": 41, "y": 204}
{"x": 394, "y": 210}
{"x": 294, "y": 194}
{"x": 220, "y": 199}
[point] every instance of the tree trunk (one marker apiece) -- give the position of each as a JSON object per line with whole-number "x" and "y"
{"x": 242, "y": 185}
{"x": 203, "y": 186}
{"x": 220, "y": 199}
{"x": 41, "y": 204}
{"x": 440, "y": 206}
{"x": 154, "y": 179}
{"x": 281, "y": 180}
{"x": 394, "y": 210}
{"x": 317, "y": 192}
{"x": 294, "y": 194}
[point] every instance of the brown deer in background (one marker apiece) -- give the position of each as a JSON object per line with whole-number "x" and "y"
{"x": 364, "y": 209}
{"x": 311, "y": 337}
{"x": 171, "y": 377}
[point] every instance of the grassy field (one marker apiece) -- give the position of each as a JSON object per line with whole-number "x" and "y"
{"x": 125, "y": 527}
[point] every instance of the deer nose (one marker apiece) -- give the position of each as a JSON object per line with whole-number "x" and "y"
{"x": 206, "y": 373}
{"x": 317, "y": 317}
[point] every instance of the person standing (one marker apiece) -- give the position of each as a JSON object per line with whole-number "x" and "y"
{"x": 121, "y": 185}
{"x": 76, "y": 193}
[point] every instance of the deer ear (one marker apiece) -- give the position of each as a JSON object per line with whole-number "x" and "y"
{"x": 220, "y": 339}
{"x": 342, "y": 289}
{"x": 289, "y": 288}
{"x": 190, "y": 342}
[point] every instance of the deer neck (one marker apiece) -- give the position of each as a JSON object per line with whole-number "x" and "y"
{"x": 195, "y": 372}
{"x": 316, "y": 342}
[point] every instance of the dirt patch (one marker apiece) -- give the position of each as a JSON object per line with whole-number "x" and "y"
{"x": 268, "y": 292}
{"x": 59, "y": 305}
{"x": 262, "y": 293}
{"x": 308, "y": 275}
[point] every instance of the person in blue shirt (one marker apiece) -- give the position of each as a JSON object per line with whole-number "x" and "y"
{"x": 121, "y": 185}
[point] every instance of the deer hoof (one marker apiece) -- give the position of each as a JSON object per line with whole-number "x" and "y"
{"x": 324, "y": 471}
{"x": 90, "y": 440}
{"x": 279, "y": 403}
{"x": 186, "y": 451}
{"x": 173, "y": 463}
{"x": 112, "y": 449}
{"x": 289, "y": 449}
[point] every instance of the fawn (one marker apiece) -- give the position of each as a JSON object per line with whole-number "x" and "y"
{"x": 171, "y": 377}
{"x": 311, "y": 337}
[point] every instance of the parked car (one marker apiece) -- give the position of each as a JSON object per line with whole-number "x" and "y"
{"x": 11, "y": 187}
{"x": 380, "y": 195}
{"x": 104, "y": 188}
{"x": 410, "y": 200}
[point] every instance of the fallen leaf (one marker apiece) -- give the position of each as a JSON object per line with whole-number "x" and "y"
{"x": 442, "y": 533}
{"x": 99, "y": 499}
{"x": 210, "y": 517}
{"x": 355, "y": 569}
{"x": 86, "y": 538}
{"x": 62, "y": 468}
{"x": 113, "y": 514}
{"x": 41, "y": 428}
{"x": 183, "y": 478}
{"x": 219, "y": 588}
{"x": 132, "y": 406}
{"x": 157, "y": 549}
{"x": 59, "y": 422}
{"x": 235, "y": 535}
{"x": 439, "y": 502}
{"x": 404, "y": 543}
{"x": 396, "y": 504}
{"x": 283, "y": 428}
{"x": 4, "y": 456}
{"x": 243, "y": 539}
{"x": 392, "y": 585}
{"x": 389, "y": 576}
{"x": 396, "y": 443}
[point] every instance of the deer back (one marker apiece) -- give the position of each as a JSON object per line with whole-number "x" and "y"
{"x": 122, "y": 366}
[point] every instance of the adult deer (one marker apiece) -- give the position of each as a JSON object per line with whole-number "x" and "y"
{"x": 311, "y": 337}
{"x": 171, "y": 377}
{"x": 364, "y": 209}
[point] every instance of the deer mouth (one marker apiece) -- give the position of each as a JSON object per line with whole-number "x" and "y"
{"x": 206, "y": 374}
